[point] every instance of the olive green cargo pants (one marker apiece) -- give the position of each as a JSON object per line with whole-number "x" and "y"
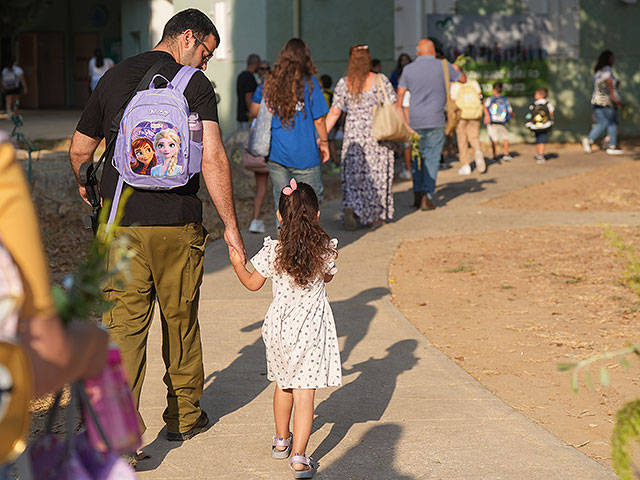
{"x": 168, "y": 266}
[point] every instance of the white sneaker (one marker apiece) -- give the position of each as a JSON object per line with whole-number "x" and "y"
{"x": 586, "y": 145}
{"x": 540, "y": 159}
{"x": 614, "y": 151}
{"x": 405, "y": 174}
{"x": 256, "y": 226}
{"x": 465, "y": 170}
{"x": 480, "y": 164}
{"x": 507, "y": 158}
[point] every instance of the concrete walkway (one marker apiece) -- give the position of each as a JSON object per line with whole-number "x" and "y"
{"x": 405, "y": 410}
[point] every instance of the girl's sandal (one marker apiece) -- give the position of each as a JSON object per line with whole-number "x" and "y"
{"x": 281, "y": 442}
{"x": 304, "y": 460}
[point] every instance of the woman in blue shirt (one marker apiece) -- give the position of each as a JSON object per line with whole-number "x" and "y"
{"x": 299, "y": 140}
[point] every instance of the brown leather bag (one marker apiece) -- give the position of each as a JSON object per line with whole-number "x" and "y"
{"x": 387, "y": 124}
{"x": 453, "y": 112}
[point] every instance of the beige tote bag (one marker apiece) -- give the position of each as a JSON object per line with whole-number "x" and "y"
{"x": 387, "y": 124}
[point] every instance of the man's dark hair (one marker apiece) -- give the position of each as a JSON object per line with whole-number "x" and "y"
{"x": 498, "y": 87}
{"x": 375, "y": 62}
{"x": 253, "y": 58}
{"x": 190, "y": 19}
{"x": 326, "y": 81}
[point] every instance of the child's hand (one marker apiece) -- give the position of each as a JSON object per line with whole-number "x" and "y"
{"x": 234, "y": 256}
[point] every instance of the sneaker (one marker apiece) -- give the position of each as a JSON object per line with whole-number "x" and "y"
{"x": 465, "y": 170}
{"x": 540, "y": 159}
{"x": 200, "y": 426}
{"x": 507, "y": 158}
{"x": 480, "y": 163}
{"x": 256, "y": 226}
{"x": 586, "y": 145}
{"x": 405, "y": 174}
{"x": 614, "y": 151}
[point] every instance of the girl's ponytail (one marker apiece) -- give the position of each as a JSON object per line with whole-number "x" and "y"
{"x": 303, "y": 247}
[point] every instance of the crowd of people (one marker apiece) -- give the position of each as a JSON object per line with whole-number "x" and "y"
{"x": 163, "y": 222}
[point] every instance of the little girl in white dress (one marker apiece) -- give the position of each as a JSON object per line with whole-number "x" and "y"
{"x": 299, "y": 332}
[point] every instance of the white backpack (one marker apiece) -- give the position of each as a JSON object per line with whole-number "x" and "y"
{"x": 10, "y": 79}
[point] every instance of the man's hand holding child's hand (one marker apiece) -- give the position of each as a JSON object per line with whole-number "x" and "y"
{"x": 234, "y": 256}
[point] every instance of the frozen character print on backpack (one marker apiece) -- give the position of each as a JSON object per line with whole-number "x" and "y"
{"x": 167, "y": 144}
{"x": 143, "y": 157}
{"x": 161, "y": 117}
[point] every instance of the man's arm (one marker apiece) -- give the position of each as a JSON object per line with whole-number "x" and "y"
{"x": 81, "y": 151}
{"x": 247, "y": 99}
{"x": 405, "y": 118}
{"x": 217, "y": 177}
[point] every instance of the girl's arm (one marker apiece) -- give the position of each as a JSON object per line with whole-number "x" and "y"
{"x": 332, "y": 117}
{"x": 252, "y": 280}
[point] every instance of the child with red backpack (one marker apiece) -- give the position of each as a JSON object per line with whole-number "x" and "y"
{"x": 497, "y": 113}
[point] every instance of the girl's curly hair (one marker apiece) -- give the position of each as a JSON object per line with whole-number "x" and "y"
{"x": 303, "y": 248}
{"x": 358, "y": 69}
{"x": 284, "y": 87}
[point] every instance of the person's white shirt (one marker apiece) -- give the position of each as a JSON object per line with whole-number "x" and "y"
{"x": 406, "y": 101}
{"x": 13, "y": 72}
{"x": 96, "y": 73}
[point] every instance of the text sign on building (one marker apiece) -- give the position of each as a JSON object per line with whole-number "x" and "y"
{"x": 510, "y": 48}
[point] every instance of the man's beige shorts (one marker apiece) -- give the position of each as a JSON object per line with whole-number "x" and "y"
{"x": 497, "y": 133}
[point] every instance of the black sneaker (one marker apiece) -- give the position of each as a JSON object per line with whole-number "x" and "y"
{"x": 200, "y": 426}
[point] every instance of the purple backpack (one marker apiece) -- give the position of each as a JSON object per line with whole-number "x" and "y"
{"x": 153, "y": 150}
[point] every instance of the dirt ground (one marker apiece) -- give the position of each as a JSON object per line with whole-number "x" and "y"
{"x": 508, "y": 306}
{"x": 613, "y": 188}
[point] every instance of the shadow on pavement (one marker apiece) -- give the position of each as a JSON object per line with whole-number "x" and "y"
{"x": 354, "y": 317}
{"x": 232, "y": 388}
{"x": 374, "y": 453}
{"x": 364, "y": 399}
{"x": 448, "y": 191}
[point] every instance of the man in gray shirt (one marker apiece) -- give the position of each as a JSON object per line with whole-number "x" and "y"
{"x": 424, "y": 78}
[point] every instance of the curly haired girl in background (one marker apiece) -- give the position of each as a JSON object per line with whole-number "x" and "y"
{"x": 299, "y": 332}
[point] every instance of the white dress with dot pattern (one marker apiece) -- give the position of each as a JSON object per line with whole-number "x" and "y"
{"x": 299, "y": 332}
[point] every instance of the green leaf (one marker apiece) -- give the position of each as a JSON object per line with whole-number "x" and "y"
{"x": 565, "y": 367}
{"x": 587, "y": 380}
{"x": 574, "y": 382}
{"x": 624, "y": 362}
{"x": 604, "y": 376}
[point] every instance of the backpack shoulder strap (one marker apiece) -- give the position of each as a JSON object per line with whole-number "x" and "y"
{"x": 182, "y": 78}
{"x": 142, "y": 85}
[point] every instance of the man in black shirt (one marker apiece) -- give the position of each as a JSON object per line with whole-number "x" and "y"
{"x": 245, "y": 86}
{"x": 164, "y": 227}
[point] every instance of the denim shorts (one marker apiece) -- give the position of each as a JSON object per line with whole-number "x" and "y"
{"x": 541, "y": 137}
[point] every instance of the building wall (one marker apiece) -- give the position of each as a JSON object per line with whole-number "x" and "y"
{"x": 331, "y": 27}
{"x": 72, "y": 18}
{"x": 603, "y": 25}
{"x": 136, "y": 20}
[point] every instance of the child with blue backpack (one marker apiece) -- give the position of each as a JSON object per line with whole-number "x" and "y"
{"x": 497, "y": 113}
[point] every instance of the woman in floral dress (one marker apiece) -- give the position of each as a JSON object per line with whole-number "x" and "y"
{"x": 367, "y": 165}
